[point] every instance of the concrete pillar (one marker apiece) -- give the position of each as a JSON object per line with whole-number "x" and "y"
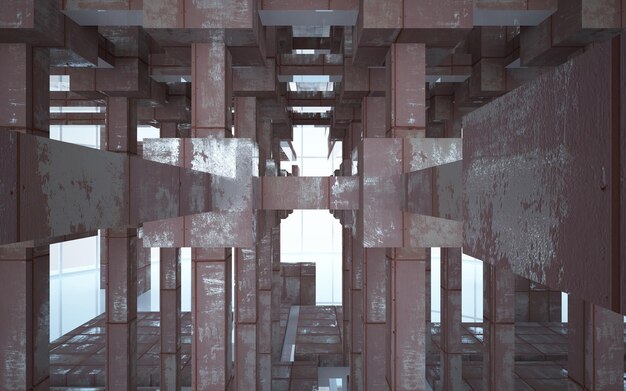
{"x": 210, "y": 95}
{"x": 211, "y": 319}
{"x": 121, "y": 310}
{"x": 451, "y": 347}
{"x": 499, "y": 328}
{"x": 170, "y": 318}
{"x": 25, "y": 320}
{"x": 25, "y": 94}
{"x": 596, "y": 346}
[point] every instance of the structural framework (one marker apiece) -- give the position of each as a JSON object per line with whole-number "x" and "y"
{"x": 494, "y": 128}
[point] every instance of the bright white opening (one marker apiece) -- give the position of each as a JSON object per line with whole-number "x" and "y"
{"x": 77, "y": 109}
{"x": 471, "y": 288}
{"x": 59, "y": 82}
{"x": 85, "y": 135}
{"x": 147, "y": 131}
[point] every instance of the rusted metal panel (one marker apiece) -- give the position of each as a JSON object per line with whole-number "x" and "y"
{"x": 498, "y": 356}
{"x": 451, "y": 333}
{"x": 255, "y": 81}
{"x": 419, "y": 192}
{"x": 373, "y": 117}
{"x": 422, "y": 153}
{"x": 80, "y": 49}
{"x": 219, "y": 15}
{"x": 374, "y": 356}
{"x": 121, "y": 361}
{"x": 375, "y": 267}
{"x": 622, "y": 162}
{"x": 407, "y": 322}
{"x": 220, "y": 229}
{"x": 130, "y": 78}
{"x": 246, "y": 367}
{"x": 355, "y": 80}
{"x": 499, "y": 326}
{"x": 406, "y": 84}
{"x": 245, "y": 117}
{"x": 531, "y": 179}
{"x": 596, "y": 347}
{"x": 211, "y": 281}
{"x": 246, "y": 295}
{"x": 264, "y": 262}
{"x": 264, "y": 372}
{"x": 73, "y": 189}
{"x": 344, "y": 193}
{"x": 209, "y": 98}
{"x": 24, "y": 327}
{"x": 583, "y": 21}
{"x": 376, "y": 15}
{"x": 163, "y": 14}
{"x": 121, "y": 276}
{"x": 428, "y": 231}
{"x": 121, "y": 125}
{"x": 24, "y": 103}
{"x": 380, "y": 170}
{"x": 295, "y": 193}
{"x": 9, "y": 188}
{"x": 154, "y": 194}
{"x": 36, "y": 22}
{"x": 449, "y": 14}
{"x": 448, "y": 191}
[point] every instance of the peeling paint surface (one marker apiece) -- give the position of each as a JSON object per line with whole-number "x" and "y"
{"x": 77, "y": 189}
{"x": 533, "y": 179}
{"x": 422, "y": 153}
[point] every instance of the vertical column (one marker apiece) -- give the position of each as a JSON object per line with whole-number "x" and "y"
{"x": 121, "y": 125}
{"x": 428, "y": 299}
{"x": 276, "y": 295}
{"x": 356, "y": 314}
{"x": 406, "y": 91}
{"x": 535, "y": 302}
{"x": 170, "y": 318}
{"x": 210, "y": 94}
{"x": 24, "y": 273}
{"x": 406, "y": 105}
{"x": 451, "y": 347}
{"x": 346, "y": 293}
{"x": 143, "y": 268}
{"x": 375, "y": 276}
{"x": 169, "y": 130}
{"x": 596, "y": 346}
{"x": 407, "y": 306}
{"x": 121, "y": 262}
{"x": 25, "y": 320}
{"x": 25, "y": 80}
{"x": 245, "y": 117}
{"x": 499, "y": 328}
{"x": 264, "y": 311}
{"x": 211, "y": 319}
{"x": 121, "y": 310}
{"x": 245, "y": 319}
